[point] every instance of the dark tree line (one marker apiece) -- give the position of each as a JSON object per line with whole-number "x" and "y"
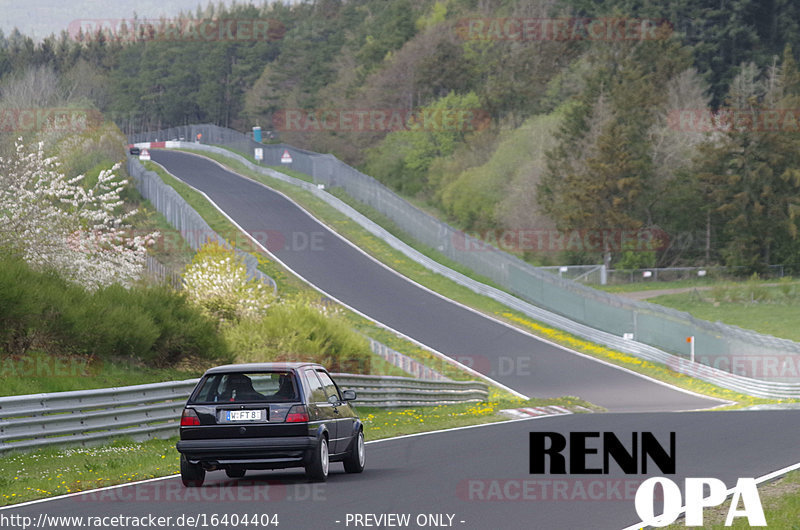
{"x": 616, "y": 161}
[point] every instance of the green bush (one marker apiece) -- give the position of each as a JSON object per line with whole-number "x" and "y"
{"x": 153, "y": 324}
{"x": 403, "y": 157}
{"x": 216, "y": 282}
{"x": 299, "y": 330}
{"x": 632, "y": 259}
{"x": 30, "y": 304}
{"x": 105, "y": 325}
{"x": 183, "y": 329}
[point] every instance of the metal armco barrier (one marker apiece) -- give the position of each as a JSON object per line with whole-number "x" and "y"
{"x": 140, "y": 412}
{"x": 193, "y": 228}
{"x": 404, "y": 362}
{"x": 84, "y": 417}
{"x": 392, "y": 391}
{"x": 597, "y": 316}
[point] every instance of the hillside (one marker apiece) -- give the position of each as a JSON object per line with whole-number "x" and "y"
{"x": 514, "y": 119}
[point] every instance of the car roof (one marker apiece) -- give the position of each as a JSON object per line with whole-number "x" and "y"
{"x": 260, "y": 367}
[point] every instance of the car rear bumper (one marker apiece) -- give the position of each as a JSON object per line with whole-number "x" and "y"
{"x": 280, "y": 451}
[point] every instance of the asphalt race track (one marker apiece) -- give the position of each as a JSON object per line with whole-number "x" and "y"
{"x": 511, "y": 357}
{"x": 471, "y": 478}
{"x": 476, "y": 475}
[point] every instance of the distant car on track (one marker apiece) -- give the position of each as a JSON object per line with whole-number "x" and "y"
{"x": 135, "y": 151}
{"x": 269, "y": 416}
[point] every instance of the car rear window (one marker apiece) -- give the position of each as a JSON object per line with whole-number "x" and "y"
{"x": 240, "y": 387}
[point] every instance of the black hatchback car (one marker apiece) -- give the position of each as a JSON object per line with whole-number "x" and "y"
{"x": 269, "y": 416}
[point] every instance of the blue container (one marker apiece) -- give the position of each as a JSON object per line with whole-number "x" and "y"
{"x": 257, "y": 134}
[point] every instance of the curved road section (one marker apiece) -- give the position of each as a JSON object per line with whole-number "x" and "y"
{"x": 470, "y": 479}
{"x": 507, "y": 355}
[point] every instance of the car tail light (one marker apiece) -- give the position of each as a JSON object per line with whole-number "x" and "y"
{"x": 189, "y": 417}
{"x": 297, "y": 414}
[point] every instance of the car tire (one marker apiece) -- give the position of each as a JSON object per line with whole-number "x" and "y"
{"x": 192, "y": 475}
{"x": 356, "y": 457}
{"x": 235, "y": 472}
{"x": 319, "y": 462}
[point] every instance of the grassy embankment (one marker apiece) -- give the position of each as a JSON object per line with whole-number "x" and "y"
{"x": 755, "y": 304}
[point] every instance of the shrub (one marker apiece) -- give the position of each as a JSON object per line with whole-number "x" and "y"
{"x": 57, "y": 221}
{"x": 152, "y": 324}
{"x": 184, "y": 331}
{"x": 106, "y": 324}
{"x": 216, "y": 280}
{"x": 299, "y": 330}
{"x": 30, "y": 304}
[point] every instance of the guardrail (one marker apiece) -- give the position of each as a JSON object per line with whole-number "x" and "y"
{"x": 140, "y": 412}
{"x": 739, "y": 383}
{"x": 192, "y": 227}
{"x": 404, "y": 362}
{"x": 393, "y": 391}
{"x": 86, "y": 416}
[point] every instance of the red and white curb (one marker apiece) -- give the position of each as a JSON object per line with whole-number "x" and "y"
{"x": 536, "y": 412}
{"x": 171, "y": 144}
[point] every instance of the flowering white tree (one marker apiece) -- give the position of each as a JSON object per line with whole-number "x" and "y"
{"x": 55, "y": 221}
{"x": 217, "y": 281}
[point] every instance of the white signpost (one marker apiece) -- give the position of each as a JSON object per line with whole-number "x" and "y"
{"x": 259, "y": 155}
{"x": 144, "y": 155}
{"x": 286, "y": 158}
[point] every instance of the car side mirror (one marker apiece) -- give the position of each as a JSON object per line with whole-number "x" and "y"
{"x": 349, "y": 395}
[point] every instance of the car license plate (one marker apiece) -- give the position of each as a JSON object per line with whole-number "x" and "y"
{"x": 243, "y": 415}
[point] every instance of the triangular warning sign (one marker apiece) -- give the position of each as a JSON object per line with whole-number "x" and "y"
{"x": 286, "y": 158}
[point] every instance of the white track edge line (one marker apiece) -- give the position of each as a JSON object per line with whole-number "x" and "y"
{"x": 115, "y": 486}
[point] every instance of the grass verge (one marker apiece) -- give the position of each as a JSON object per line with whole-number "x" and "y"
{"x": 770, "y": 309}
{"x": 49, "y": 472}
{"x": 388, "y": 423}
{"x": 658, "y": 285}
{"x": 405, "y": 266}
